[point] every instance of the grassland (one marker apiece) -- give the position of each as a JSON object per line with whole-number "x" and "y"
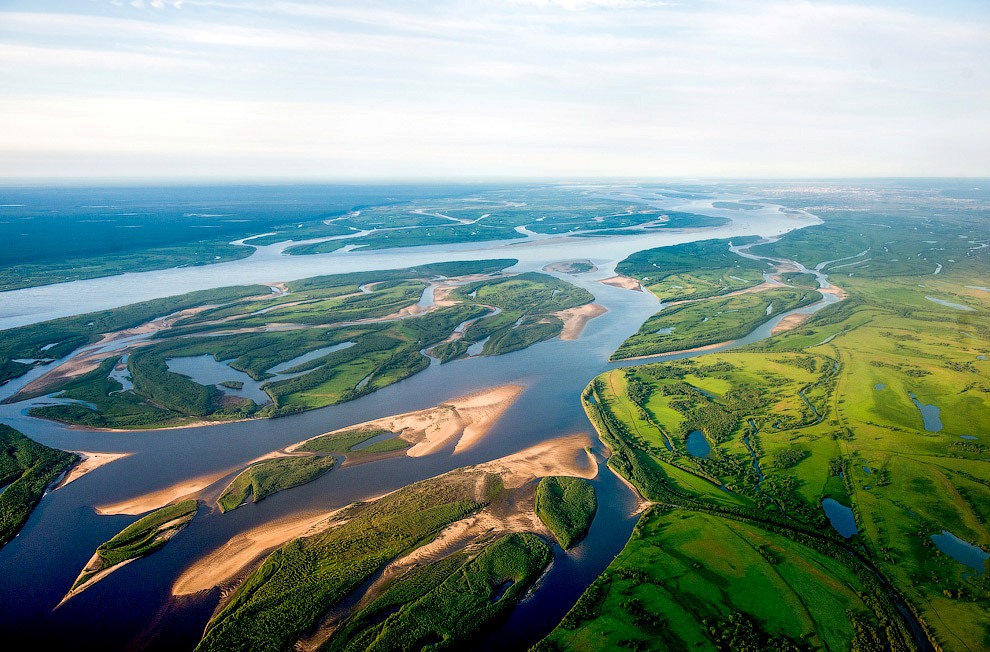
{"x": 566, "y": 506}
{"x": 712, "y": 321}
{"x": 694, "y": 270}
{"x": 148, "y": 534}
{"x": 27, "y": 469}
{"x": 299, "y": 582}
{"x": 821, "y": 411}
{"x": 326, "y": 340}
{"x": 263, "y": 479}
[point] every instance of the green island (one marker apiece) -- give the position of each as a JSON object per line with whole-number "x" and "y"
{"x": 351, "y": 443}
{"x": 445, "y": 602}
{"x": 872, "y": 409}
{"x": 27, "y": 470}
{"x": 694, "y": 270}
{"x": 524, "y": 314}
{"x": 263, "y": 479}
{"x": 291, "y": 590}
{"x": 324, "y": 340}
{"x": 566, "y": 506}
{"x": 701, "y": 323}
{"x": 148, "y": 534}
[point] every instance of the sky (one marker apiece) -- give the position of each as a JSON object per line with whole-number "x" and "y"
{"x": 300, "y": 89}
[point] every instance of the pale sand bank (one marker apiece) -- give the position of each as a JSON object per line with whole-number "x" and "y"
{"x": 623, "y": 282}
{"x": 224, "y": 564}
{"x": 561, "y": 456}
{"x": 789, "y": 322}
{"x": 89, "y": 462}
{"x": 466, "y": 419}
{"x": 162, "y": 497}
{"x": 575, "y": 319}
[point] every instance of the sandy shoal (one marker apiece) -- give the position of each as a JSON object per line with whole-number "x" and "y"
{"x": 561, "y": 456}
{"x": 623, "y": 282}
{"x": 89, "y": 462}
{"x": 156, "y": 499}
{"x": 789, "y": 322}
{"x": 466, "y": 419}
{"x": 575, "y": 319}
{"x": 228, "y": 561}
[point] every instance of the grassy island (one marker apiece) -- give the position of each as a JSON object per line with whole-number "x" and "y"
{"x": 263, "y": 479}
{"x": 27, "y": 469}
{"x": 148, "y": 534}
{"x": 566, "y": 506}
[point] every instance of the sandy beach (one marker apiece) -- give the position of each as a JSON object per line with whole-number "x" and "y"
{"x": 466, "y": 419}
{"x": 575, "y": 319}
{"x": 162, "y": 497}
{"x": 623, "y": 282}
{"x": 89, "y": 462}
{"x": 224, "y": 564}
{"x": 789, "y": 322}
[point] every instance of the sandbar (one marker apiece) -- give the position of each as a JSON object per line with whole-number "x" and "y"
{"x": 623, "y": 282}
{"x": 466, "y": 419}
{"x": 789, "y": 322}
{"x": 224, "y": 564}
{"x": 160, "y": 498}
{"x": 575, "y": 319}
{"x": 89, "y": 462}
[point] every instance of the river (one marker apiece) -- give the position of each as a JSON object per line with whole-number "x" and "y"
{"x": 133, "y": 608}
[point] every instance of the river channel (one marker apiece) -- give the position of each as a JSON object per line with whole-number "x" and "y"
{"x": 133, "y": 607}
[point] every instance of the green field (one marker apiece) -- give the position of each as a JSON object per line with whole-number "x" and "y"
{"x": 566, "y": 506}
{"x": 141, "y": 538}
{"x": 27, "y": 469}
{"x": 263, "y": 479}
{"x": 822, "y": 411}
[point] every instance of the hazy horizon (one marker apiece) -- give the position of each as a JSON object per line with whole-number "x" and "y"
{"x": 507, "y": 89}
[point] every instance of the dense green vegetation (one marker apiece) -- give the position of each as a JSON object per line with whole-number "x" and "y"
{"x": 566, "y": 506}
{"x": 300, "y": 581}
{"x": 27, "y": 469}
{"x": 441, "y": 611}
{"x": 701, "y": 323}
{"x": 263, "y": 479}
{"x": 694, "y": 270}
{"x": 148, "y": 534}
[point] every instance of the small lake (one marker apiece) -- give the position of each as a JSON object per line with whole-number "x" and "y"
{"x": 949, "y": 304}
{"x": 962, "y": 551}
{"x": 206, "y": 370}
{"x": 841, "y": 517}
{"x": 697, "y": 445}
{"x": 930, "y": 414}
{"x": 280, "y": 369}
{"x": 879, "y": 387}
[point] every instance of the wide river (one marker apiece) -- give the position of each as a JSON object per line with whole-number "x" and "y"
{"x": 133, "y": 607}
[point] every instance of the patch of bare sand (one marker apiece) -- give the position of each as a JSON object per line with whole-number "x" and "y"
{"x": 230, "y": 560}
{"x": 571, "y": 267}
{"x": 466, "y": 419}
{"x": 575, "y": 319}
{"x": 623, "y": 282}
{"x": 89, "y": 462}
{"x": 162, "y": 497}
{"x": 789, "y": 322}
{"x": 561, "y": 456}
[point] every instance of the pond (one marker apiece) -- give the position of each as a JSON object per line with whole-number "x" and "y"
{"x": 962, "y": 551}
{"x": 206, "y": 370}
{"x": 697, "y": 445}
{"x": 930, "y": 414}
{"x": 841, "y": 517}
